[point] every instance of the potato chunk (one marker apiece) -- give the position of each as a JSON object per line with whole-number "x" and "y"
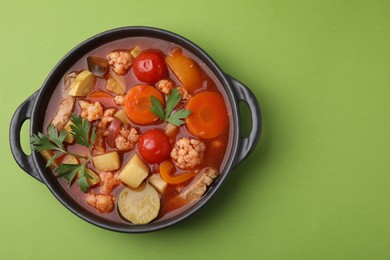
{"x": 139, "y": 206}
{"x": 159, "y": 184}
{"x": 116, "y": 84}
{"x": 107, "y": 162}
{"x": 120, "y": 114}
{"x": 134, "y": 172}
{"x": 82, "y": 84}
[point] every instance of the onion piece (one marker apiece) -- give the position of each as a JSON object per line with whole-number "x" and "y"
{"x": 113, "y": 131}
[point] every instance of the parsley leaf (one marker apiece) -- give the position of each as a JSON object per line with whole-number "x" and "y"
{"x": 51, "y": 141}
{"x": 80, "y": 129}
{"x": 69, "y": 172}
{"x": 176, "y": 118}
{"x": 173, "y": 99}
{"x": 157, "y": 108}
{"x": 84, "y": 134}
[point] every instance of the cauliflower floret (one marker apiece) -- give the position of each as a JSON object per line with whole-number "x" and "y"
{"x": 103, "y": 203}
{"x": 106, "y": 119}
{"x": 102, "y": 129}
{"x": 121, "y": 61}
{"x": 165, "y": 86}
{"x": 119, "y": 100}
{"x": 184, "y": 93}
{"x": 126, "y": 139}
{"x": 108, "y": 182}
{"x": 188, "y": 153}
{"x": 91, "y": 111}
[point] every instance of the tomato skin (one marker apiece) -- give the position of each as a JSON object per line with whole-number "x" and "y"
{"x": 154, "y": 146}
{"x": 150, "y": 67}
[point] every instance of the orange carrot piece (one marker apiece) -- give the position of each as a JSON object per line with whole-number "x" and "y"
{"x": 209, "y": 116}
{"x": 137, "y": 104}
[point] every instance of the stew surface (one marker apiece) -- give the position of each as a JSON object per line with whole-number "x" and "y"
{"x": 158, "y": 128}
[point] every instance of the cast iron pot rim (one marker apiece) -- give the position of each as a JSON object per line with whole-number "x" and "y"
{"x": 79, "y": 51}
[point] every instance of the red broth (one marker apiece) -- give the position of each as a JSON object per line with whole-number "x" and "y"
{"x": 216, "y": 148}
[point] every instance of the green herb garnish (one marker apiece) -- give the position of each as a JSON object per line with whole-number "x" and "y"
{"x": 84, "y": 135}
{"x": 173, "y": 99}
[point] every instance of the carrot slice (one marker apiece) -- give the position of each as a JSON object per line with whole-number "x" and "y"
{"x": 167, "y": 168}
{"x": 209, "y": 116}
{"x": 137, "y": 104}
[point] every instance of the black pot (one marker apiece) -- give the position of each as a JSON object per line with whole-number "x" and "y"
{"x": 35, "y": 106}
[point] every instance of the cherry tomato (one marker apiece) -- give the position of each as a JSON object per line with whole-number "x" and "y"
{"x": 154, "y": 146}
{"x": 150, "y": 67}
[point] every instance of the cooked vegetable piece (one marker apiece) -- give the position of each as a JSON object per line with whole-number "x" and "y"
{"x": 135, "y": 51}
{"x": 98, "y": 66}
{"x": 113, "y": 131}
{"x": 150, "y": 67}
{"x": 99, "y": 94}
{"x": 172, "y": 130}
{"x": 139, "y": 206}
{"x": 70, "y": 159}
{"x": 154, "y": 146}
{"x": 48, "y": 154}
{"x": 95, "y": 179}
{"x": 134, "y": 172}
{"x": 185, "y": 69}
{"x": 107, "y": 162}
{"x": 82, "y": 84}
{"x": 209, "y": 117}
{"x": 69, "y": 137}
{"x": 159, "y": 184}
{"x": 121, "y": 115}
{"x": 167, "y": 169}
{"x": 116, "y": 84}
{"x": 137, "y": 104}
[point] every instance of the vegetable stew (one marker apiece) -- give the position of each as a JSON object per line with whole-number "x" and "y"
{"x": 136, "y": 130}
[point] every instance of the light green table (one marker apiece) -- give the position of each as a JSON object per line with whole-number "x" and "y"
{"x": 316, "y": 187}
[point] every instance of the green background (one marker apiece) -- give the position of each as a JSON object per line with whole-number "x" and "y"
{"x": 317, "y": 185}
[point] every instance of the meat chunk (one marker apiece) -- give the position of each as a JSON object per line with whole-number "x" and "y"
{"x": 108, "y": 182}
{"x": 200, "y": 185}
{"x": 126, "y": 139}
{"x": 188, "y": 153}
{"x": 63, "y": 113}
{"x": 91, "y": 111}
{"x": 101, "y": 202}
{"x": 121, "y": 61}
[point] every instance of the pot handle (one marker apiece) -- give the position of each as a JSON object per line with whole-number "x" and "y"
{"x": 248, "y": 144}
{"x": 22, "y": 113}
